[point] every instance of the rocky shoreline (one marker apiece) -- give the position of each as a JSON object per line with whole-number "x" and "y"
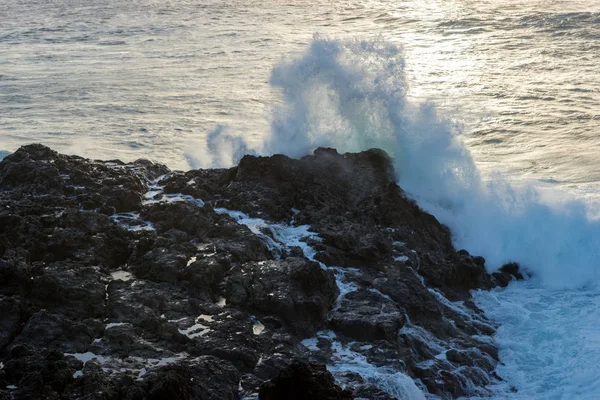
{"x": 130, "y": 281}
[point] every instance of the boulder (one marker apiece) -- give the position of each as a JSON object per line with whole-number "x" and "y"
{"x": 302, "y": 381}
{"x": 297, "y": 291}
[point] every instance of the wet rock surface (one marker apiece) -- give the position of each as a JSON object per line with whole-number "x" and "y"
{"x": 132, "y": 281}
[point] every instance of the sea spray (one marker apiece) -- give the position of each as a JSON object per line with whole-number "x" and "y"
{"x": 338, "y": 94}
{"x": 220, "y": 149}
{"x": 351, "y": 95}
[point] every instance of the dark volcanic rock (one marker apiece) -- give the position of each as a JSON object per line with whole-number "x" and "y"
{"x": 51, "y": 331}
{"x": 129, "y": 281}
{"x": 507, "y": 273}
{"x": 10, "y": 319}
{"x": 295, "y": 290}
{"x": 302, "y": 381}
{"x": 204, "y": 378}
{"x": 367, "y": 316}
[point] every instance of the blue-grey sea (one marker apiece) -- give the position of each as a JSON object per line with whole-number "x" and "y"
{"x": 490, "y": 108}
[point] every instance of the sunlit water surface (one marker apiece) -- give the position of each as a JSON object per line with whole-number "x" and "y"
{"x": 145, "y": 78}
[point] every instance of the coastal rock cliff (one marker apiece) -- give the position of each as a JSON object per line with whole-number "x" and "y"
{"x": 130, "y": 281}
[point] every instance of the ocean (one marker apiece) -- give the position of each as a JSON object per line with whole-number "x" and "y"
{"x": 491, "y": 110}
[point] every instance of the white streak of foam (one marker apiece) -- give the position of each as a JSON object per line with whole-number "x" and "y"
{"x": 343, "y": 284}
{"x": 191, "y": 260}
{"x": 155, "y": 189}
{"x": 143, "y": 372}
{"x": 310, "y": 344}
{"x": 85, "y": 357}
{"x": 115, "y": 324}
{"x": 345, "y": 360}
{"x": 174, "y": 198}
{"x": 207, "y": 318}
{"x": 385, "y": 296}
{"x": 282, "y": 236}
{"x": 295, "y": 236}
{"x": 132, "y": 222}
{"x": 196, "y": 330}
{"x": 258, "y": 328}
{"x": 256, "y": 226}
{"x": 221, "y": 302}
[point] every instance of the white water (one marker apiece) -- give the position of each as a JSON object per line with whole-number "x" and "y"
{"x": 110, "y": 78}
{"x": 549, "y": 341}
{"x": 345, "y": 360}
{"x": 351, "y": 95}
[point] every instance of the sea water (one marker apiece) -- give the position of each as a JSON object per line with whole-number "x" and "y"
{"x": 491, "y": 110}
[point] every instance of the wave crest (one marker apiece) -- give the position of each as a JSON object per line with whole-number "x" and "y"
{"x": 351, "y": 95}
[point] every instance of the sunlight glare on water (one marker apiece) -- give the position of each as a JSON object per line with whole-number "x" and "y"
{"x": 150, "y": 79}
{"x": 175, "y": 80}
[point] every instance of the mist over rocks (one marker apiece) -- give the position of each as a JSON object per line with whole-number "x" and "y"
{"x": 131, "y": 281}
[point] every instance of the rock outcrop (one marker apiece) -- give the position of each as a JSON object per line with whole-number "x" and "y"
{"x": 127, "y": 280}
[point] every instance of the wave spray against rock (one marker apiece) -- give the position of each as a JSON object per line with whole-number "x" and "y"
{"x": 351, "y": 95}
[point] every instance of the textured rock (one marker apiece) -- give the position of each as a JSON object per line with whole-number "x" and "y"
{"x": 294, "y": 290}
{"x": 303, "y": 381}
{"x": 127, "y": 280}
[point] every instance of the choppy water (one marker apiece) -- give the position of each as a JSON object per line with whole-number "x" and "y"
{"x": 150, "y": 78}
{"x": 196, "y": 83}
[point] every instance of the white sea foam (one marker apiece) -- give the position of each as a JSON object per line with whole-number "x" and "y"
{"x": 132, "y": 221}
{"x": 136, "y": 366}
{"x": 115, "y": 324}
{"x": 87, "y": 356}
{"x": 345, "y": 360}
{"x": 258, "y": 328}
{"x": 282, "y": 236}
{"x": 352, "y": 95}
{"x": 549, "y": 341}
{"x": 218, "y": 150}
{"x": 121, "y": 275}
{"x": 196, "y": 329}
{"x": 171, "y": 198}
{"x": 84, "y": 358}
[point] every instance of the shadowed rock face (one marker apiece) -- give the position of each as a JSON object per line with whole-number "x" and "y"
{"x": 303, "y": 381}
{"x": 132, "y": 281}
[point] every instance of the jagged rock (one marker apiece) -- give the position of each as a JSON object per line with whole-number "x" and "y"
{"x": 72, "y": 290}
{"x": 507, "y": 273}
{"x": 303, "y": 381}
{"x": 371, "y": 392}
{"x": 38, "y": 373}
{"x": 161, "y": 265}
{"x": 156, "y": 291}
{"x": 45, "y": 330}
{"x": 10, "y": 319}
{"x": 367, "y": 316}
{"x": 182, "y": 216}
{"x": 297, "y": 291}
{"x": 205, "y": 378}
